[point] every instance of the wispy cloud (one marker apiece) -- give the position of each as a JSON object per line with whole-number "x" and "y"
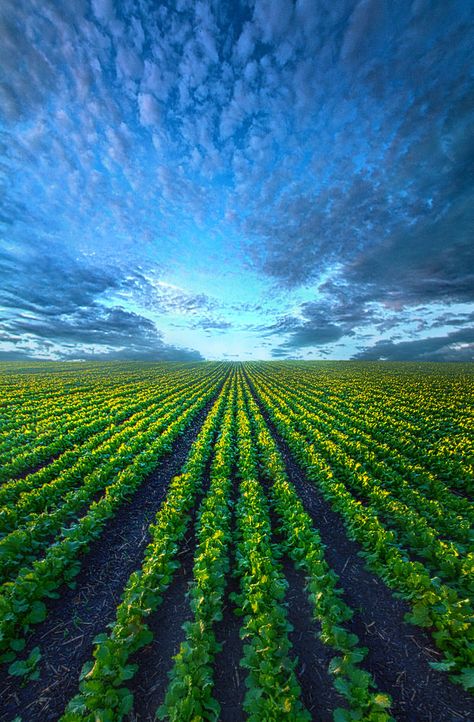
{"x": 456, "y": 346}
{"x": 322, "y": 150}
{"x": 53, "y": 307}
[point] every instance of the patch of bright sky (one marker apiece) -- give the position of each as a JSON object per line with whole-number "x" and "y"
{"x": 235, "y": 157}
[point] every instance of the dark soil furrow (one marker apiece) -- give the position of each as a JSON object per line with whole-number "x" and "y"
{"x": 398, "y": 653}
{"x": 313, "y": 657}
{"x": 155, "y": 661}
{"x": 229, "y": 676}
{"x": 79, "y": 614}
{"x": 33, "y": 469}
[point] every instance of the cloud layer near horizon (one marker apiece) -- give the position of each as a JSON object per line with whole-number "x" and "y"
{"x": 267, "y": 179}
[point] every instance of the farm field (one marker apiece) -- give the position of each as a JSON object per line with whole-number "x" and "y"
{"x": 236, "y": 541}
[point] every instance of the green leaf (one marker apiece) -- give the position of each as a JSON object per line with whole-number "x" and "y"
{"x": 420, "y": 616}
{"x": 27, "y": 667}
{"x": 382, "y": 700}
{"x": 342, "y": 715}
{"x": 37, "y": 613}
{"x": 466, "y": 678}
{"x": 86, "y": 669}
{"x": 7, "y": 657}
{"x": 35, "y": 656}
{"x": 18, "y": 669}
{"x": 442, "y": 666}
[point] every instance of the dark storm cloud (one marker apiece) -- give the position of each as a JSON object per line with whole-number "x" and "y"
{"x": 52, "y": 304}
{"x": 310, "y": 329}
{"x": 456, "y": 346}
{"x": 434, "y": 263}
{"x": 319, "y": 324}
{"x": 314, "y": 336}
{"x": 325, "y": 144}
{"x": 280, "y": 352}
{"x": 388, "y": 196}
{"x": 48, "y": 281}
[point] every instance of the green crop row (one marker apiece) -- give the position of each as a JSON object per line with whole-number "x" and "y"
{"x": 62, "y": 419}
{"x": 21, "y": 602}
{"x": 384, "y": 409}
{"x": 189, "y": 695}
{"x": 302, "y": 543}
{"x": 75, "y": 460}
{"x": 25, "y": 543}
{"x": 406, "y": 479}
{"x": 103, "y": 695}
{"x": 412, "y": 530}
{"x": 434, "y": 604}
{"x": 68, "y": 430}
{"x": 273, "y": 692}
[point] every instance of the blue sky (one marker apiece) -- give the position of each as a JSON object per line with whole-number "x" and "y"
{"x": 269, "y": 179}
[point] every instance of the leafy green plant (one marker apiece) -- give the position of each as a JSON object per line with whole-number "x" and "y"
{"x": 102, "y": 692}
{"x": 27, "y": 668}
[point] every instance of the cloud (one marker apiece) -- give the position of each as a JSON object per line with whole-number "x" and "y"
{"x": 166, "y": 298}
{"x": 129, "y": 63}
{"x": 54, "y": 308}
{"x": 149, "y": 109}
{"x": 365, "y": 26}
{"x": 272, "y": 18}
{"x": 280, "y": 353}
{"x": 314, "y": 336}
{"x": 324, "y": 148}
{"x": 103, "y": 10}
{"x": 427, "y": 264}
{"x": 394, "y": 211}
{"x": 456, "y": 346}
{"x": 310, "y": 328}
{"x": 28, "y": 75}
{"x": 245, "y": 44}
{"x": 212, "y": 324}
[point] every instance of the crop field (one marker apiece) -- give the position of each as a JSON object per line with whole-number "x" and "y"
{"x": 236, "y": 541}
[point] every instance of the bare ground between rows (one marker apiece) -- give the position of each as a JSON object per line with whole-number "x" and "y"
{"x": 155, "y": 661}
{"x": 391, "y": 523}
{"x": 398, "y": 653}
{"x": 48, "y": 539}
{"x": 313, "y": 657}
{"x": 79, "y": 614}
{"x": 318, "y": 694}
{"x": 229, "y": 676}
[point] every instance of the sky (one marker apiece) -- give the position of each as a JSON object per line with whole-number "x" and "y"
{"x": 212, "y": 179}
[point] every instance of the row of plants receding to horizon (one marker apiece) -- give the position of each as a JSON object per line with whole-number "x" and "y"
{"x": 368, "y": 456}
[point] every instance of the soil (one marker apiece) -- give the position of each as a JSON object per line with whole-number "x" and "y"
{"x": 155, "y": 661}
{"x": 78, "y": 615}
{"x": 398, "y": 653}
{"x": 313, "y": 657}
{"x": 229, "y": 676}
